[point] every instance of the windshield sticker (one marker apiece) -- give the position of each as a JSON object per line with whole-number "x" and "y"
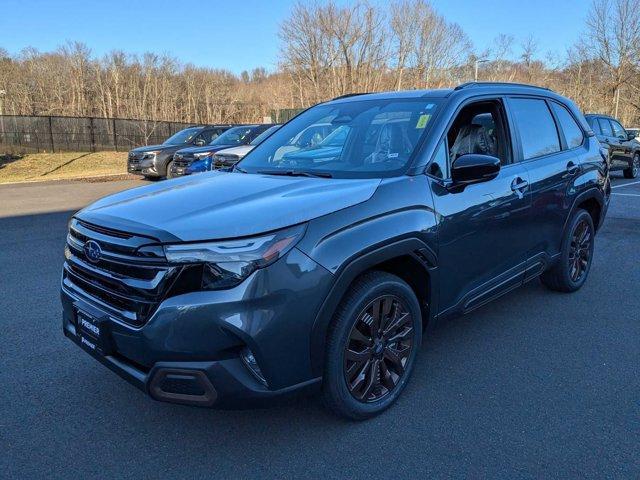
{"x": 393, "y": 155}
{"x": 422, "y": 121}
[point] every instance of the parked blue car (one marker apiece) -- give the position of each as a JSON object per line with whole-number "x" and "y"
{"x": 199, "y": 159}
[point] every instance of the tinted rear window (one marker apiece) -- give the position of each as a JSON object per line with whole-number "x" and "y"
{"x": 538, "y": 133}
{"x": 595, "y": 126}
{"x": 572, "y": 132}
{"x": 605, "y": 127}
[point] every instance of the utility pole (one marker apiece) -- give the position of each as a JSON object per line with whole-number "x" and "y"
{"x": 3, "y": 93}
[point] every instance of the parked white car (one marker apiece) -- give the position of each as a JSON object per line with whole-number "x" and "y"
{"x": 230, "y": 156}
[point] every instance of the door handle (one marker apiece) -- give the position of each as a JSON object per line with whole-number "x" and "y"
{"x": 572, "y": 168}
{"x": 519, "y": 185}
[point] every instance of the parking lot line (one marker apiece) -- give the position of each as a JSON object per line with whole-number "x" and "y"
{"x": 627, "y": 194}
{"x": 626, "y": 184}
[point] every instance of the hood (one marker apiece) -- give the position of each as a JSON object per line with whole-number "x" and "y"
{"x": 217, "y": 205}
{"x": 206, "y": 148}
{"x": 150, "y": 148}
{"x": 240, "y": 151}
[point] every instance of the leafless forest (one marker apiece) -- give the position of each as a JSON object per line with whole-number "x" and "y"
{"x": 327, "y": 50}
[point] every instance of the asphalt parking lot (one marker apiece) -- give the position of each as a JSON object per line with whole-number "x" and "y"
{"x": 535, "y": 385}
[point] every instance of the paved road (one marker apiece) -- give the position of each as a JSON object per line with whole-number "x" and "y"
{"x": 534, "y": 385}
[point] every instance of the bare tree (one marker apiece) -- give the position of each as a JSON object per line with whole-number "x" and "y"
{"x": 613, "y": 35}
{"x": 328, "y": 48}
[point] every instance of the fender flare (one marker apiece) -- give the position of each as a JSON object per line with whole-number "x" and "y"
{"x": 354, "y": 267}
{"x": 592, "y": 193}
{"x": 162, "y": 166}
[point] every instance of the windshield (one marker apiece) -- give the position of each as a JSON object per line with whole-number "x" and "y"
{"x": 260, "y": 138}
{"x": 370, "y": 138}
{"x": 234, "y": 136}
{"x": 183, "y": 136}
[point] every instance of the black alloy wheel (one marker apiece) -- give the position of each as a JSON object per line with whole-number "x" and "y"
{"x": 571, "y": 269}
{"x": 372, "y": 344}
{"x": 378, "y": 348}
{"x": 634, "y": 169}
{"x": 580, "y": 251}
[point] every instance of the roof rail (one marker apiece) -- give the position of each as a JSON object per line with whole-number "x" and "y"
{"x": 503, "y": 84}
{"x": 347, "y": 95}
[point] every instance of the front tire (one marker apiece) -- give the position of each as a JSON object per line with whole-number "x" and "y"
{"x": 634, "y": 168}
{"x": 572, "y": 269}
{"x": 169, "y": 172}
{"x": 372, "y": 344}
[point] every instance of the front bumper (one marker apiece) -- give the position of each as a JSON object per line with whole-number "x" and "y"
{"x": 185, "y": 167}
{"x": 142, "y": 167}
{"x": 189, "y": 350}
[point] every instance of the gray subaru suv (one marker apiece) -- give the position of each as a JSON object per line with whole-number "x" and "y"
{"x": 321, "y": 267}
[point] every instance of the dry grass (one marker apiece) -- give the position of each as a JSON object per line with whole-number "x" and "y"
{"x": 58, "y": 166}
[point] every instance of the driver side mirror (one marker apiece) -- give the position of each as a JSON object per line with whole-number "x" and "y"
{"x": 474, "y": 168}
{"x": 199, "y": 142}
{"x": 631, "y": 135}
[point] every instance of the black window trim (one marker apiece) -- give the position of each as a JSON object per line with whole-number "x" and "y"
{"x": 509, "y": 131}
{"x": 608, "y": 120}
{"x": 595, "y": 122}
{"x": 611, "y": 122}
{"x": 433, "y": 156}
{"x": 546, "y": 100}
{"x": 563, "y": 137}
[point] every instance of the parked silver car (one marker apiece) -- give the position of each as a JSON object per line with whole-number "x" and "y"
{"x": 230, "y": 156}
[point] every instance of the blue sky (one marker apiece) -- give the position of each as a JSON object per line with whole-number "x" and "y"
{"x": 242, "y": 34}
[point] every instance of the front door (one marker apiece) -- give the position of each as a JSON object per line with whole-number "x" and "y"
{"x": 481, "y": 231}
{"x": 481, "y": 228}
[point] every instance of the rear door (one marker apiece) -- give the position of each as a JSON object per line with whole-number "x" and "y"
{"x": 548, "y": 139}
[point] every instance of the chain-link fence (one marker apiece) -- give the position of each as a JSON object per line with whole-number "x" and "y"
{"x": 29, "y": 134}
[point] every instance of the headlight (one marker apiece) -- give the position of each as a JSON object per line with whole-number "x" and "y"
{"x": 228, "y": 262}
{"x": 200, "y": 156}
{"x": 150, "y": 155}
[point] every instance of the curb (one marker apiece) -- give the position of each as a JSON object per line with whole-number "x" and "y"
{"x": 115, "y": 177}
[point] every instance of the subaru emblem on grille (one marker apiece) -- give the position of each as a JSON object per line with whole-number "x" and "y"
{"x": 92, "y": 250}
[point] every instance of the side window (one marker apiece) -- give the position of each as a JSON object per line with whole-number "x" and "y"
{"x": 439, "y": 166}
{"x": 572, "y": 132}
{"x": 479, "y": 128}
{"x": 605, "y": 127}
{"x": 618, "y": 131}
{"x": 595, "y": 126}
{"x": 538, "y": 133}
{"x": 208, "y": 135}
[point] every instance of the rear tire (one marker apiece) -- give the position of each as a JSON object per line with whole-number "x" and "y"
{"x": 572, "y": 269}
{"x": 370, "y": 356}
{"x": 634, "y": 168}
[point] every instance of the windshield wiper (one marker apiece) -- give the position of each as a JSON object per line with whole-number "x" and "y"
{"x": 236, "y": 168}
{"x": 296, "y": 173}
